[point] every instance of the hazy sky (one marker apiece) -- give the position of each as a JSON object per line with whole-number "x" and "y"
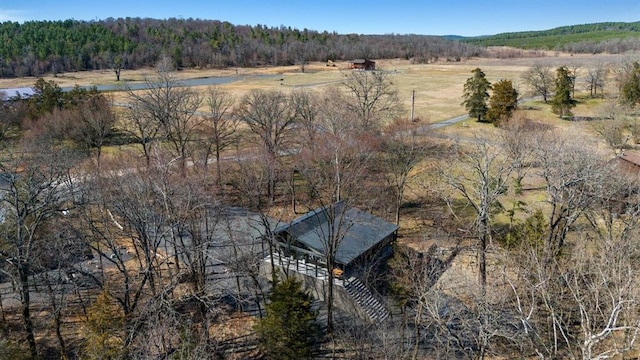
{"x": 427, "y": 17}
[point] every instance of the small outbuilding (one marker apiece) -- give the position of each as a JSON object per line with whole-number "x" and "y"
{"x": 362, "y": 64}
{"x": 629, "y": 162}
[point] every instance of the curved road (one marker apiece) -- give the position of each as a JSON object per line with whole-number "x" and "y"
{"x": 448, "y": 122}
{"x": 464, "y": 117}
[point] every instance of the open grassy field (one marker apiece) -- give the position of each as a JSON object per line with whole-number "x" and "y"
{"x": 438, "y": 86}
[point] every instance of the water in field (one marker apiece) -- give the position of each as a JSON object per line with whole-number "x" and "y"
{"x": 214, "y": 80}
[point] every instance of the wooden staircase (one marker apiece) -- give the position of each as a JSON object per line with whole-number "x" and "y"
{"x": 355, "y": 289}
{"x": 374, "y": 309}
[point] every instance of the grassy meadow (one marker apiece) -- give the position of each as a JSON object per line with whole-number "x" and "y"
{"x": 438, "y": 86}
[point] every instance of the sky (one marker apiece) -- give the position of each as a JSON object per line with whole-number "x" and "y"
{"x": 426, "y": 17}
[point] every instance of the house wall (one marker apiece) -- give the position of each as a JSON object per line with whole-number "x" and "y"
{"x": 371, "y": 259}
{"x": 367, "y": 65}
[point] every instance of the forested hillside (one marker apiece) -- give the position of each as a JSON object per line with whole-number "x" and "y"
{"x": 38, "y": 47}
{"x": 609, "y": 37}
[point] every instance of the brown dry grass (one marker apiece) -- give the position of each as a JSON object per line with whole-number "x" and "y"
{"x": 438, "y": 86}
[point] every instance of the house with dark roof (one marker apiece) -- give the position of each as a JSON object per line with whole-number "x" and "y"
{"x": 357, "y": 237}
{"x": 360, "y": 242}
{"x": 361, "y": 64}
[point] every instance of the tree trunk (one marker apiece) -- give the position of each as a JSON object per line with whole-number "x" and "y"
{"x": 416, "y": 343}
{"x": 218, "y": 169}
{"x": 482, "y": 264}
{"x": 482, "y": 255}
{"x": 3, "y": 319}
{"x": 63, "y": 347}
{"x": 26, "y": 311}
{"x": 398, "y": 205}
{"x": 56, "y": 310}
{"x": 330, "y": 301}
{"x": 272, "y": 179}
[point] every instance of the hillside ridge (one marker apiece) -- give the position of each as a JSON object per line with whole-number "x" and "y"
{"x": 565, "y": 37}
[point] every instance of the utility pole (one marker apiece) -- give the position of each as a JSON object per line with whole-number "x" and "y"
{"x": 413, "y": 103}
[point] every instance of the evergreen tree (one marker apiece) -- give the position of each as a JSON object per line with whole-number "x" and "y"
{"x": 562, "y": 101}
{"x": 476, "y": 94}
{"x": 104, "y": 325}
{"x": 630, "y": 87}
{"x": 503, "y": 102}
{"x": 289, "y": 329}
{"x": 47, "y": 96}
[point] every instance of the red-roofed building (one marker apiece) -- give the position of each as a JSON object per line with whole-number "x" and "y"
{"x": 629, "y": 161}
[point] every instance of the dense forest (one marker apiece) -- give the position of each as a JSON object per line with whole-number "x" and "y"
{"x": 36, "y": 47}
{"x": 607, "y": 37}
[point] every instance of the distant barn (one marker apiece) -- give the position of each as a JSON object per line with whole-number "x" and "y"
{"x": 362, "y": 64}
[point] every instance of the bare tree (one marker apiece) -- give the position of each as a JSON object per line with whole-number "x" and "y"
{"x": 220, "y": 126}
{"x": 307, "y": 107}
{"x": 10, "y": 115}
{"x": 270, "y": 116}
{"x": 172, "y": 331}
{"x": 36, "y": 188}
{"x": 574, "y": 68}
{"x": 359, "y": 340}
{"x": 586, "y": 306}
{"x": 142, "y": 127}
{"x": 540, "y": 79}
{"x": 55, "y": 275}
{"x": 124, "y": 225}
{"x": 403, "y": 150}
{"x": 415, "y": 274}
{"x": 604, "y": 287}
{"x": 251, "y": 180}
{"x": 614, "y": 133}
{"x": 166, "y": 108}
{"x": 572, "y": 183}
{"x": 595, "y": 79}
{"x": 624, "y": 73}
{"x": 372, "y": 97}
{"x": 480, "y": 176}
{"x": 117, "y": 63}
{"x": 194, "y": 218}
{"x": 518, "y": 142}
{"x": 96, "y": 124}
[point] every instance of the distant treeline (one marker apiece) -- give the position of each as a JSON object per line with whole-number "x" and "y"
{"x": 37, "y": 47}
{"x": 609, "y": 37}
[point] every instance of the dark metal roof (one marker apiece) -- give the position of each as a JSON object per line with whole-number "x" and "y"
{"x": 361, "y": 61}
{"x": 357, "y": 230}
{"x": 24, "y": 92}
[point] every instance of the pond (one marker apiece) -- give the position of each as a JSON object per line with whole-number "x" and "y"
{"x": 204, "y": 81}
